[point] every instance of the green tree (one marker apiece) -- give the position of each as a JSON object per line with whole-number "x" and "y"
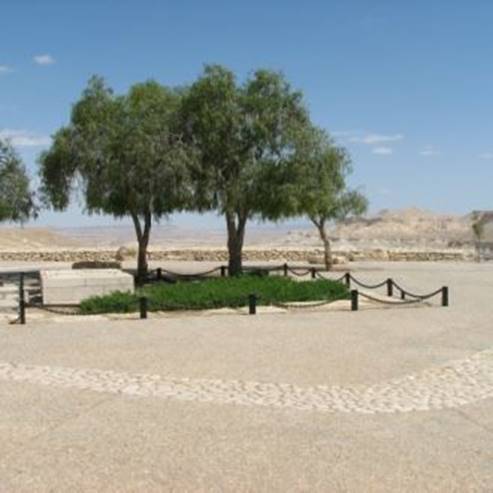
{"x": 244, "y": 134}
{"x": 322, "y": 193}
{"x": 124, "y": 154}
{"x": 16, "y": 197}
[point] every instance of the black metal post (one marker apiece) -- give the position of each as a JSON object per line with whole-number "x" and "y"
{"x": 347, "y": 279}
{"x": 314, "y": 272}
{"x": 159, "y": 274}
{"x": 445, "y": 296}
{"x": 223, "y": 271}
{"x": 22, "y": 300}
{"x": 390, "y": 287}
{"x": 143, "y": 307}
{"x": 403, "y": 295}
{"x": 285, "y": 266}
{"x": 354, "y": 300}
{"x": 252, "y": 304}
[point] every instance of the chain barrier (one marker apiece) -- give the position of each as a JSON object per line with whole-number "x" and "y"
{"x": 389, "y": 302}
{"x": 307, "y": 305}
{"x": 68, "y": 310}
{"x": 299, "y": 274}
{"x": 431, "y": 295}
{"x": 185, "y": 275}
{"x": 418, "y": 296}
{"x": 367, "y": 286}
{"x": 319, "y": 275}
{"x": 221, "y": 269}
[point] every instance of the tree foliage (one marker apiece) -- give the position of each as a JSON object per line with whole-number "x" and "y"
{"x": 16, "y": 197}
{"x": 124, "y": 154}
{"x": 247, "y": 150}
{"x": 244, "y": 134}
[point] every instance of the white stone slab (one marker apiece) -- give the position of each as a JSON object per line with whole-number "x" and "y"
{"x": 9, "y": 297}
{"x": 64, "y": 287}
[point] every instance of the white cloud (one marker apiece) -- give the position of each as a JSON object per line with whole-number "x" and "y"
{"x": 371, "y": 139}
{"x": 5, "y": 69}
{"x": 429, "y": 151}
{"x": 44, "y": 59}
{"x": 486, "y": 155}
{"x": 383, "y": 151}
{"x": 23, "y": 138}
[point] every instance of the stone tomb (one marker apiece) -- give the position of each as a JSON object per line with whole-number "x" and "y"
{"x": 9, "y": 297}
{"x": 70, "y": 287}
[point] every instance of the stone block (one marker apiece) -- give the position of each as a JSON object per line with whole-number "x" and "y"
{"x": 70, "y": 287}
{"x": 9, "y": 297}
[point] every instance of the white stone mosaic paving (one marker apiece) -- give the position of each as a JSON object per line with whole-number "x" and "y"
{"x": 455, "y": 384}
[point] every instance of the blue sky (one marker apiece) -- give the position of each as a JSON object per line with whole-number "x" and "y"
{"x": 406, "y": 86}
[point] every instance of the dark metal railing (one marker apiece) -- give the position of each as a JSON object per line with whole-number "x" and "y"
{"x": 405, "y": 297}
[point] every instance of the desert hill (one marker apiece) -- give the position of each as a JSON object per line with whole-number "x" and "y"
{"x": 27, "y": 238}
{"x": 404, "y": 228}
{"x": 411, "y": 228}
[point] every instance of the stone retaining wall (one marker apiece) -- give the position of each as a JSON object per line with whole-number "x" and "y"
{"x": 220, "y": 255}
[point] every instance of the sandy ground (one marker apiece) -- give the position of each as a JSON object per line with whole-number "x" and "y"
{"x": 381, "y": 400}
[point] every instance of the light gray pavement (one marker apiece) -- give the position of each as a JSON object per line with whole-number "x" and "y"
{"x": 380, "y": 400}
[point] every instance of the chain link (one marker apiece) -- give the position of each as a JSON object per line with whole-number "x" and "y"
{"x": 389, "y": 302}
{"x": 306, "y": 305}
{"x": 367, "y": 286}
{"x": 419, "y": 296}
{"x": 57, "y": 311}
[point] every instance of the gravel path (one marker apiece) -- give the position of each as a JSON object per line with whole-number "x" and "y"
{"x": 456, "y": 384}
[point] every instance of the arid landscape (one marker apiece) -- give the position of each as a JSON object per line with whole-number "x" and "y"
{"x": 408, "y": 230}
{"x": 246, "y": 247}
{"x": 405, "y": 228}
{"x": 289, "y": 400}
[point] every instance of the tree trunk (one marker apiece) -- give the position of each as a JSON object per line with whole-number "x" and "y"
{"x": 236, "y": 234}
{"x": 235, "y": 264}
{"x": 327, "y": 250}
{"x": 327, "y": 254}
{"x": 142, "y": 266}
{"x": 320, "y": 224}
{"x": 478, "y": 251}
{"x": 143, "y": 235}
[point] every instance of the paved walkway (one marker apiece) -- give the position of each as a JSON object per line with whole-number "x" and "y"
{"x": 456, "y": 384}
{"x": 377, "y": 400}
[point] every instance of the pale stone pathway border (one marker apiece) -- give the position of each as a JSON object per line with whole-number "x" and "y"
{"x": 452, "y": 385}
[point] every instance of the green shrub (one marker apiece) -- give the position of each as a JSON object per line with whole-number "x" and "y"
{"x": 217, "y": 293}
